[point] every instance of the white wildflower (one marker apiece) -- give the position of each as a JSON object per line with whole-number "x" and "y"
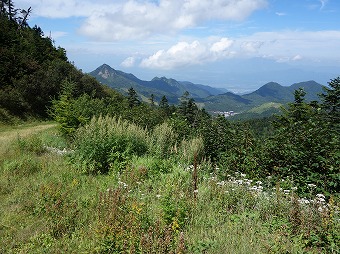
{"x": 321, "y": 200}
{"x": 122, "y": 183}
{"x": 304, "y": 201}
{"x": 239, "y": 182}
{"x": 221, "y": 183}
{"x": 320, "y": 196}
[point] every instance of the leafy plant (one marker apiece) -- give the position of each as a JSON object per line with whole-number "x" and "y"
{"x": 109, "y": 144}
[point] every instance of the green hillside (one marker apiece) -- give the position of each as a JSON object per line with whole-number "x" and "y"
{"x": 159, "y": 87}
{"x": 212, "y": 99}
{"x": 33, "y": 70}
{"x": 108, "y": 173}
{"x": 271, "y": 94}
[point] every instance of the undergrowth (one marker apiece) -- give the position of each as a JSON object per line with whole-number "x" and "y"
{"x": 152, "y": 203}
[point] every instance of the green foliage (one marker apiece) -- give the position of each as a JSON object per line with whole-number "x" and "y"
{"x": 181, "y": 126}
{"x": 175, "y": 212}
{"x": 150, "y": 207}
{"x": 32, "y": 69}
{"x": 31, "y": 144}
{"x": 22, "y": 167}
{"x": 331, "y": 101}
{"x": 64, "y": 112}
{"x": 217, "y": 135}
{"x": 305, "y": 147}
{"x": 109, "y": 144}
{"x": 56, "y": 203}
{"x": 132, "y": 98}
{"x": 162, "y": 141}
{"x": 154, "y": 203}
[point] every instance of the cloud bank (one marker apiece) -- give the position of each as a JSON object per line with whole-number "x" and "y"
{"x": 185, "y": 54}
{"x": 283, "y": 46}
{"x": 134, "y": 19}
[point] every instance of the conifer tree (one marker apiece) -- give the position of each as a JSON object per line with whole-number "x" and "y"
{"x": 133, "y": 98}
{"x": 331, "y": 100}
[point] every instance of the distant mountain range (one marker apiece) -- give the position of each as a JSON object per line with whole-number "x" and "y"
{"x": 171, "y": 88}
{"x": 262, "y": 102}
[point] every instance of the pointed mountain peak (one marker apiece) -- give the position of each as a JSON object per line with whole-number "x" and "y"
{"x": 105, "y": 66}
{"x": 105, "y": 71}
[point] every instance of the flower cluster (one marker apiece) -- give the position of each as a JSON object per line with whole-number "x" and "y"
{"x": 319, "y": 202}
{"x": 58, "y": 151}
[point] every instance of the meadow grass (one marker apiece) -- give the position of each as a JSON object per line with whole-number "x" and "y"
{"x": 154, "y": 205}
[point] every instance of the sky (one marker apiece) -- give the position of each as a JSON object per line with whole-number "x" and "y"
{"x": 238, "y": 45}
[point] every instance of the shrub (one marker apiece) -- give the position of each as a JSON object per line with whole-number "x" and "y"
{"x": 190, "y": 150}
{"x": 162, "y": 140}
{"x": 107, "y": 143}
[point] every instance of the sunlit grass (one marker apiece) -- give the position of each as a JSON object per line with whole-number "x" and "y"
{"x": 153, "y": 205}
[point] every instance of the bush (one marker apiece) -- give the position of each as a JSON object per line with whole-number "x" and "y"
{"x": 108, "y": 143}
{"x": 191, "y": 150}
{"x": 162, "y": 140}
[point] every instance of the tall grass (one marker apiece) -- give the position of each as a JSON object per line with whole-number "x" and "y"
{"x": 162, "y": 141}
{"x": 107, "y": 143}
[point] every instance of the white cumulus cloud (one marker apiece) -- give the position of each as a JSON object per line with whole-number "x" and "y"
{"x": 181, "y": 54}
{"x": 139, "y": 19}
{"x": 184, "y": 54}
{"x": 221, "y": 45}
{"x": 128, "y": 62}
{"x": 133, "y": 19}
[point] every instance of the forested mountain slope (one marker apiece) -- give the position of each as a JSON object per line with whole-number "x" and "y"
{"x": 33, "y": 70}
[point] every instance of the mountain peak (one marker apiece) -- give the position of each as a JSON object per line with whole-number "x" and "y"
{"x": 105, "y": 71}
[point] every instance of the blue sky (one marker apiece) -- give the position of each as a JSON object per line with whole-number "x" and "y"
{"x": 236, "y": 44}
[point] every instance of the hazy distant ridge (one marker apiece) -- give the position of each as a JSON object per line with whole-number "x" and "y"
{"x": 169, "y": 87}
{"x": 213, "y": 99}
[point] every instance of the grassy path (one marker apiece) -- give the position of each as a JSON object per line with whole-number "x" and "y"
{"x": 7, "y": 136}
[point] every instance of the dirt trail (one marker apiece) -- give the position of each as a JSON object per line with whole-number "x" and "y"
{"x": 8, "y": 136}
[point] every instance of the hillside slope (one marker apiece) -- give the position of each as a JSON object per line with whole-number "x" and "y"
{"x": 158, "y": 86}
{"x": 212, "y": 99}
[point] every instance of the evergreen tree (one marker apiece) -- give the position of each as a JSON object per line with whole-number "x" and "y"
{"x": 164, "y": 106}
{"x": 304, "y": 147}
{"x": 331, "y": 101}
{"x": 133, "y": 98}
{"x": 183, "y": 105}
